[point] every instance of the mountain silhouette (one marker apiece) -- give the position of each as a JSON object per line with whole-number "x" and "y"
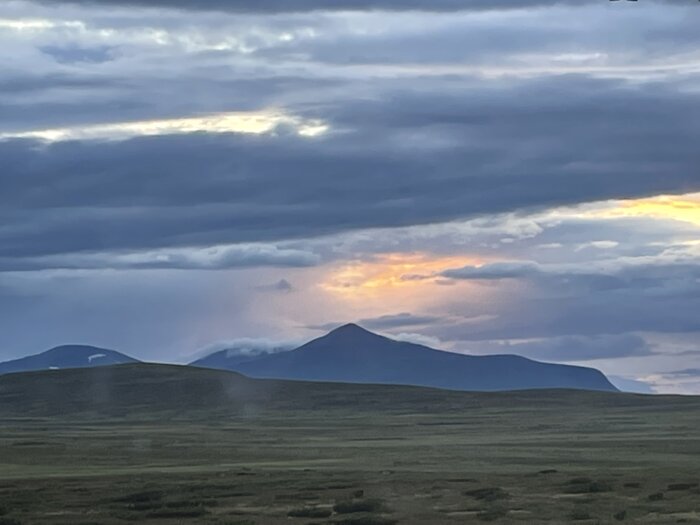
{"x": 66, "y": 356}
{"x": 355, "y": 355}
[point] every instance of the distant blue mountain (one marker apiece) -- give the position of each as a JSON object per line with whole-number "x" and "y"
{"x": 354, "y": 355}
{"x": 225, "y": 359}
{"x": 68, "y": 356}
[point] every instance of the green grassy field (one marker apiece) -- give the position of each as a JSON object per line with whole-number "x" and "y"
{"x": 162, "y": 444}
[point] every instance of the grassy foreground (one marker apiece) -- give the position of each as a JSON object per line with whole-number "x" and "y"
{"x": 161, "y": 444}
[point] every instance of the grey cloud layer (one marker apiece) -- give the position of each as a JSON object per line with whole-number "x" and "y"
{"x": 414, "y": 157}
{"x": 577, "y": 348}
{"x": 655, "y": 298}
{"x": 287, "y": 6}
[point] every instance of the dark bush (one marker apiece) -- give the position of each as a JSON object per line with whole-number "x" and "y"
{"x": 487, "y": 494}
{"x": 146, "y": 505}
{"x": 586, "y": 486}
{"x": 309, "y": 512}
{"x": 181, "y": 513}
{"x": 366, "y": 505}
{"x": 657, "y": 496}
{"x": 183, "y": 504}
{"x": 366, "y": 520}
{"x": 141, "y": 497}
{"x": 682, "y": 486}
{"x": 579, "y": 515}
{"x": 620, "y": 516}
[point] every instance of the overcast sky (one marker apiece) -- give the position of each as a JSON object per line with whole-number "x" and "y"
{"x": 481, "y": 176}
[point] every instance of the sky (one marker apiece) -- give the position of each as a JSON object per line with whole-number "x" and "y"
{"x": 478, "y": 176}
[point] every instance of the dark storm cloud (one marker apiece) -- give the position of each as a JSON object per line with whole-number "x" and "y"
{"x": 413, "y": 157}
{"x": 287, "y": 6}
{"x": 240, "y": 256}
{"x": 29, "y": 102}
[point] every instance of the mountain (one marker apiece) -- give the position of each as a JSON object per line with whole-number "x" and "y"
{"x": 224, "y": 359}
{"x": 67, "y": 356}
{"x": 354, "y": 355}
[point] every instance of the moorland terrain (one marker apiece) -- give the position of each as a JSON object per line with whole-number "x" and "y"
{"x": 162, "y": 444}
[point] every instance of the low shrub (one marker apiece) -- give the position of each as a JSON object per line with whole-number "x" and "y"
{"x": 682, "y": 486}
{"x": 141, "y": 497}
{"x": 580, "y": 515}
{"x": 365, "y": 505}
{"x": 587, "y": 486}
{"x": 487, "y": 494}
{"x": 366, "y": 520}
{"x": 180, "y": 513}
{"x": 620, "y": 516}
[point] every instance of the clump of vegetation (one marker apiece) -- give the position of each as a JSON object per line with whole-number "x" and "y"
{"x": 586, "y": 486}
{"x": 487, "y": 494}
{"x": 195, "y": 512}
{"x": 620, "y": 516}
{"x": 682, "y": 486}
{"x": 141, "y": 497}
{"x": 657, "y": 496}
{"x": 309, "y": 512}
{"x": 632, "y": 485}
{"x": 462, "y": 480}
{"x": 365, "y": 505}
{"x": 366, "y": 520}
{"x": 580, "y": 515}
{"x": 146, "y": 505}
{"x": 549, "y": 471}
{"x": 182, "y": 504}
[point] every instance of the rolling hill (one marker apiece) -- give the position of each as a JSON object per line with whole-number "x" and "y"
{"x": 150, "y": 390}
{"x": 67, "y": 356}
{"x": 355, "y": 355}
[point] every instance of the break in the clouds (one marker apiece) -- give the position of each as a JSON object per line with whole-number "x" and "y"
{"x": 487, "y": 177}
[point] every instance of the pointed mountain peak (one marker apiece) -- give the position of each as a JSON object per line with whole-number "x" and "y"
{"x": 351, "y": 330}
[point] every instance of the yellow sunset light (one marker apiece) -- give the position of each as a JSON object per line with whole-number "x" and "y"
{"x": 684, "y": 208}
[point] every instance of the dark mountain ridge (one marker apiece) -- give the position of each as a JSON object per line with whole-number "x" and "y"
{"x": 355, "y": 355}
{"x": 66, "y": 356}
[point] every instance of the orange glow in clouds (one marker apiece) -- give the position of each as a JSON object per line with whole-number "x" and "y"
{"x": 391, "y": 272}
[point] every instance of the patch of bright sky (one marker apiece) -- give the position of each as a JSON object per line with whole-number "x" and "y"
{"x": 242, "y": 122}
{"x": 685, "y": 208}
